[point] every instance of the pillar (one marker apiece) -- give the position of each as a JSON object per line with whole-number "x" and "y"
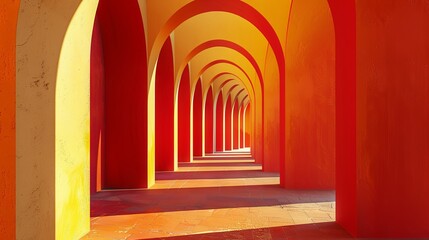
{"x": 219, "y": 123}
{"x": 164, "y": 110}
{"x": 209, "y": 122}
{"x": 198, "y": 120}
{"x": 184, "y": 126}
{"x": 228, "y": 124}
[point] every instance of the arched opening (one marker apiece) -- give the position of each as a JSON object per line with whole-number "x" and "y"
{"x": 184, "y": 124}
{"x": 164, "y": 110}
{"x": 209, "y": 148}
{"x": 198, "y": 120}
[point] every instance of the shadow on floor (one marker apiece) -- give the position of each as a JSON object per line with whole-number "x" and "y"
{"x": 108, "y": 203}
{"x": 219, "y": 164}
{"x": 214, "y": 175}
{"x": 329, "y": 230}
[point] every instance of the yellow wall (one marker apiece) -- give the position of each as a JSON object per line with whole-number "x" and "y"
{"x": 72, "y": 127}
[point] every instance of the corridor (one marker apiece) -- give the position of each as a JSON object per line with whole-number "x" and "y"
{"x": 221, "y": 196}
{"x": 214, "y": 119}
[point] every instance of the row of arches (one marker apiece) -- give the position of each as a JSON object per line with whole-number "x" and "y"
{"x": 312, "y": 97}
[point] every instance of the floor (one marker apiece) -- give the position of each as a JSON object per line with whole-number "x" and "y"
{"x": 224, "y": 196}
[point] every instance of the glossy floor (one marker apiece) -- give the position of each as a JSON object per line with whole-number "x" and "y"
{"x": 223, "y": 196}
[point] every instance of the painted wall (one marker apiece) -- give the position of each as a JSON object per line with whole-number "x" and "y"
{"x": 8, "y": 20}
{"x": 393, "y": 117}
{"x": 198, "y": 120}
{"x": 310, "y": 97}
{"x": 228, "y": 124}
{"x": 164, "y": 110}
{"x": 97, "y": 109}
{"x": 209, "y": 128}
{"x": 344, "y": 15}
{"x": 124, "y": 49}
{"x": 248, "y": 124}
{"x": 219, "y": 123}
{"x": 235, "y": 125}
{"x": 184, "y": 141}
{"x": 242, "y": 125}
{"x": 271, "y": 123}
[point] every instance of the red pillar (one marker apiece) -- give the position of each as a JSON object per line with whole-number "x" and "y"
{"x": 184, "y": 111}
{"x": 219, "y": 123}
{"x": 242, "y": 108}
{"x": 198, "y": 120}
{"x": 97, "y": 109}
{"x": 235, "y": 125}
{"x": 164, "y": 109}
{"x": 125, "y": 104}
{"x": 209, "y": 122}
{"x": 228, "y": 124}
{"x": 248, "y": 126}
{"x": 344, "y": 16}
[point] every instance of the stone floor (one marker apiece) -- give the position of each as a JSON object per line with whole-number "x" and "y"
{"x": 224, "y": 197}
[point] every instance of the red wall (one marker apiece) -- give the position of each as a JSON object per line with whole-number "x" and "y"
{"x": 8, "y": 21}
{"x": 235, "y": 125}
{"x": 209, "y": 122}
{"x": 393, "y": 118}
{"x": 310, "y": 97}
{"x": 219, "y": 123}
{"x": 185, "y": 117}
{"x": 242, "y": 130}
{"x": 198, "y": 120}
{"x": 344, "y": 15}
{"x": 125, "y": 66}
{"x": 248, "y": 126}
{"x": 164, "y": 109}
{"x": 97, "y": 108}
{"x": 228, "y": 132}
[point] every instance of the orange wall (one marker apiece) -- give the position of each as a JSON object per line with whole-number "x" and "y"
{"x": 272, "y": 114}
{"x": 8, "y": 18}
{"x": 209, "y": 121}
{"x": 310, "y": 97}
{"x": 228, "y": 132}
{"x": 248, "y": 125}
{"x": 393, "y": 118}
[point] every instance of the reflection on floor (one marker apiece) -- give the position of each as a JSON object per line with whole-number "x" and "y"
{"x": 226, "y": 198}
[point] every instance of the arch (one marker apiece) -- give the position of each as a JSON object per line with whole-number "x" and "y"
{"x": 227, "y": 44}
{"x": 198, "y": 120}
{"x": 245, "y": 11}
{"x": 164, "y": 110}
{"x": 209, "y": 108}
{"x": 184, "y": 110}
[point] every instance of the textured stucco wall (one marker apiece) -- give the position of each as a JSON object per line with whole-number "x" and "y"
{"x": 310, "y": 97}
{"x": 393, "y": 117}
{"x": 53, "y": 52}
{"x": 8, "y": 19}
